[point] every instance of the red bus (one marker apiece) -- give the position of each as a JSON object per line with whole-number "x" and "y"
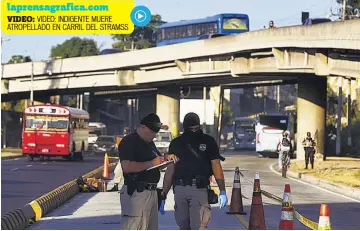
{"x": 54, "y": 130}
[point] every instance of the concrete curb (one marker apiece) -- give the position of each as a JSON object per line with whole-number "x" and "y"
{"x": 331, "y": 186}
{"x": 32, "y": 212}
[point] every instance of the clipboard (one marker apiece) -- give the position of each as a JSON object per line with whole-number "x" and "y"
{"x": 160, "y": 165}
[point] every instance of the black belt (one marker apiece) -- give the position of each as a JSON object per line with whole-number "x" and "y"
{"x": 151, "y": 187}
{"x": 147, "y": 186}
{"x": 184, "y": 182}
{"x": 199, "y": 182}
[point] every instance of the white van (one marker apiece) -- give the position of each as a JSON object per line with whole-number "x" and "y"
{"x": 162, "y": 140}
{"x": 269, "y": 130}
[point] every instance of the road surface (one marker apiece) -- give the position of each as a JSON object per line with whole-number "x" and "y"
{"x": 23, "y": 181}
{"x": 344, "y": 212}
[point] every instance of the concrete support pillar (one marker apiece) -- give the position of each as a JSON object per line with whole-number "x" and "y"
{"x": 86, "y": 101}
{"x": 146, "y": 105}
{"x": 168, "y": 109}
{"x": 78, "y": 101}
{"x": 311, "y": 112}
{"x": 348, "y": 114}
{"x": 204, "y": 112}
{"x": 358, "y": 94}
{"x": 217, "y": 95}
{"x": 338, "y": 117}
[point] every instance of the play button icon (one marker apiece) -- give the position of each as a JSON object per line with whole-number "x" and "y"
{"x": 140, "y": 16}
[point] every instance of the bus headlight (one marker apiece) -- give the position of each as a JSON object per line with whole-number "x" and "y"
{"x": 31, "y": 144}
{"x": 60, "y": 145}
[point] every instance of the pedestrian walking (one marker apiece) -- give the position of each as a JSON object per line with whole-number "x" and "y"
{"x": 199, "y": 159}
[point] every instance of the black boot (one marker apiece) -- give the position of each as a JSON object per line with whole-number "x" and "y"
{"x": 115, "y": 188}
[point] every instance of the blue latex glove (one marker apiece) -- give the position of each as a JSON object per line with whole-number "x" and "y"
{"x": 162, "y": 207}
{"x": 223, "y": 200}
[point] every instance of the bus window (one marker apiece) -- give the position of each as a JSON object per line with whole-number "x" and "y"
{"x": 46, "y": 123}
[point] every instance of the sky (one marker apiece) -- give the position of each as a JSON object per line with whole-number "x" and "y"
{"x": 282, "y": 12}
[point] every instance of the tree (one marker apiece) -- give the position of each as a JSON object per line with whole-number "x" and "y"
{"x": 75, "y": 47}
{"x": 19, "y": 59}
{"x": 228, "y": 117}
{"x": 142, "y": 37}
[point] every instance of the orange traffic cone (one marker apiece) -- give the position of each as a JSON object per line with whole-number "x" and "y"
{"x": 257, "y": 219}
{"x": 287, "y": 211}
{"x": 106, "y": 170}
{"x": 324, "y": 219}
{"x": 236, "y": 205}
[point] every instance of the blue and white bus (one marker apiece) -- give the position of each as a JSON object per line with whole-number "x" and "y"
{"x": 190, "y": 30}
{"x": 244, "y": 133}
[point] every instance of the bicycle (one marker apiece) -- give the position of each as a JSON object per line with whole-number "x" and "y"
{"x": 285, "y": 162}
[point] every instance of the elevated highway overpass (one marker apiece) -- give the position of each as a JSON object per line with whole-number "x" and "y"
{"x": 306, "y": 54}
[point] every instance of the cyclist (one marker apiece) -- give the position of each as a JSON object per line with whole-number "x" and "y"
{"x": 284, "y": 147}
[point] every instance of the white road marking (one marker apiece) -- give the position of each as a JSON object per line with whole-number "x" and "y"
{"x": 44, "y": 163}
{"x": 315, "y": 186}
{"x": 14, "y": 169}
{"x": 29, "y": 165}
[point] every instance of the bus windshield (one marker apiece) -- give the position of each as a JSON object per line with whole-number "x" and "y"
{"x": 276, "y": 122}
{"x": 46, "y": 123}
{"x": 234, "y": 24}
{"x": 244, "y": 127}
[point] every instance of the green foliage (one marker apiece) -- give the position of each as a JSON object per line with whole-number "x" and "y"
{"x": 228, "y": 116}
{"x": 142, "y": 37}
{"x": 19, "y": 59}
{"x": 75, "y": 47}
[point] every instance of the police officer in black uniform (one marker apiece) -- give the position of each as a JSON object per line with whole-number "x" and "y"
{"x": 138, "y": 196}
{"x": 199, "y": 159}
{"x": 309, "y": 147}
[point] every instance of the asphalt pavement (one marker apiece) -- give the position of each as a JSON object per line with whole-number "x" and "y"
{"x": 102, "y": 210}
{"x": 23, "y": 181}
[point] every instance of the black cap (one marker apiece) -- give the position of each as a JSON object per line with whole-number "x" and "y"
{"x": 191, "y": 119}
{"x": 152, "y": 121}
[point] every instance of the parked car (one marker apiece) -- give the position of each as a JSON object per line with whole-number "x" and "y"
{"x": 106, "y": 144}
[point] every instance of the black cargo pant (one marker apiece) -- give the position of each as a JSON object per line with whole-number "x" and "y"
{"x": 309, "y": 154}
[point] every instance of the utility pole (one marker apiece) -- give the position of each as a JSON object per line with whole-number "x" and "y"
{"x": 31, "y": 79}
{"x": 344, "y": 10}
{"x": 32, "y": 83}
{"x": 5, "y": 112}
